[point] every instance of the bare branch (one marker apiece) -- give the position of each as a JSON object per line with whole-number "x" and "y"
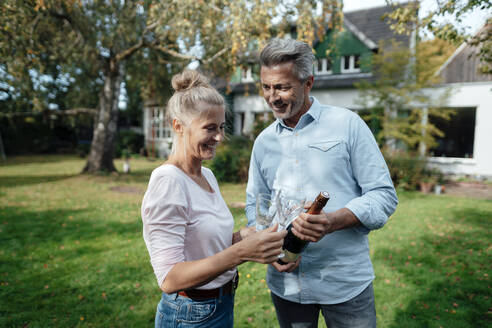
{"x": 190, "y": 57}
{"x": 150, "y": 27}
{"x": 217, "y": 55}
{"x": 174, "y": 53}
{"x": 33, "y": 28}
{"x": 130, "y": 51}
{"x": 214, "y": 7}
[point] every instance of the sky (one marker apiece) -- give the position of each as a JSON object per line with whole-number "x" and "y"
{"x": 471, "y": 23}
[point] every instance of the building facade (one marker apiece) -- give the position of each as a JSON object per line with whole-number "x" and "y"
{"x": 464, "y": 150}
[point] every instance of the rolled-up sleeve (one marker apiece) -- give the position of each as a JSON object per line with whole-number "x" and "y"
{"x": 164, "y": 220}
{"x": 378, "y": 198}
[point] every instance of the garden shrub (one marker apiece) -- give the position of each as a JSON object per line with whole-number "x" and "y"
{"x": 128, "y": 141}
{"x": 37, "y": 134}
{"x": 231, "y": 161}
{"x": 407, "y": 169}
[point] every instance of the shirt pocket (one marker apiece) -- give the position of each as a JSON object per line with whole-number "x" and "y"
{"x": 332, "y": 155}
{"x": 330, "y": 146}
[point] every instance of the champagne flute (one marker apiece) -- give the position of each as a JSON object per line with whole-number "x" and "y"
{"x": 289, "y": 206}
{"x": 265, "y": 211}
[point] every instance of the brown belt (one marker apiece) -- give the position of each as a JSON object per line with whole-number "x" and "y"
{"x": 226, "y": 289}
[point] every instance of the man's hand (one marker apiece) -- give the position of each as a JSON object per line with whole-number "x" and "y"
{"x": 313, "y": 227}
{"x": 289, "y": 267}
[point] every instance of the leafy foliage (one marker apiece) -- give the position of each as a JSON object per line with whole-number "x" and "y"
{"x": 42, "y": 134}
{"x": 399, "y": 107}
{"x": 129, "y": 142}
{"x": 103, "y": 41}
{"x": 406, "y": 18}
{"x": 407, "y": 170}
{"x": 261, "y": 122}
{"x": 231, "y": 161}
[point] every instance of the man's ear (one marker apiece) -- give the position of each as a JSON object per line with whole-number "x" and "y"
{"x": 309, "y": 82}
{"x": 177, "y": 126}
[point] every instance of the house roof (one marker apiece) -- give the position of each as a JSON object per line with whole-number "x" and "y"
{"x": 464, "y": 64}
{"x": 369, "y": 24}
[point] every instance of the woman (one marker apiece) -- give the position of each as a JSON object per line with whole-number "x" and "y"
{"x": 187, "y": 226}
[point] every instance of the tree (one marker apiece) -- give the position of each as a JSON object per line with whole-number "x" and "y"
{"x": 105, "y": 35}
{"x": 399, "y": 106}
{"x": 437, "y": 22}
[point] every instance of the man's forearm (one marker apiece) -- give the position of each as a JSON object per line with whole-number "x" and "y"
{"x": 342, "y": 219}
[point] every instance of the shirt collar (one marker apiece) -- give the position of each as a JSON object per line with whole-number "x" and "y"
{"x": 312, "y": 114}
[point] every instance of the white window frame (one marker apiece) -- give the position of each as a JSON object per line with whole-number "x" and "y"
{"x": 324, "y": 65}
{"x": 352, "y": 68}
{"x": 162, "y": 131}
{"x": 247, "y": 75}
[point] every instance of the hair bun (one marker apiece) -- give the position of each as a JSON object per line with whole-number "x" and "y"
{"x": 188, "y": 79}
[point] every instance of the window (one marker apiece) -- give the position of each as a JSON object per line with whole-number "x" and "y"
{"x": 357, "y": 62}
{"x": 459, "y": 134}
{"x": 158, "y": 128}
{"x": 246, "y": 74}
{"x": 323, "y": 66}
{"x": 350, "y": 64}
{"x": 346, "y": 63}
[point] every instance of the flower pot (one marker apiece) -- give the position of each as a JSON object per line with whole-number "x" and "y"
{"x": 426, "y": 187}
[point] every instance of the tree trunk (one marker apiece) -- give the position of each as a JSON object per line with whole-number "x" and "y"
{"x": 106, "y": 122}
{"x": 390, "y": 115}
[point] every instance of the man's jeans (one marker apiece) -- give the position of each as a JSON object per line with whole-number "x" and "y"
{"x": 178, "y": 311}
{"x": 358, "y": 312}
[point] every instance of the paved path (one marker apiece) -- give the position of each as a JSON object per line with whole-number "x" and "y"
{"x": 469, "y": 189}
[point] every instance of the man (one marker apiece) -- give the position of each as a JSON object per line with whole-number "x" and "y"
{"x": 310, "y": 148}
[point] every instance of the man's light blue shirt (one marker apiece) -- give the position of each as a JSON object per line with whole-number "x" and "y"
{"x": 330, "y": 149}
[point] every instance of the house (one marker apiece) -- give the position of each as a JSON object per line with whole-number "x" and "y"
{"x": 334, "y": 73}
{"x": 465, "y": 148}
{"x": 158, "y": 138}
{"x": 463, "y": 151}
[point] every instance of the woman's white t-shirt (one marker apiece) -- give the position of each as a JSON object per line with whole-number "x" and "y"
{"x": 183, "y": 222}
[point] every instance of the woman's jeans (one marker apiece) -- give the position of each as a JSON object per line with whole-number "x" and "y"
{"x": 176, "y": 311}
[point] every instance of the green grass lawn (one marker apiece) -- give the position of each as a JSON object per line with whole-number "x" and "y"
{"x": 72, "y": 254}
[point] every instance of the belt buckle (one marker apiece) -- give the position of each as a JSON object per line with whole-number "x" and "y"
{"x": 235, "y": 281}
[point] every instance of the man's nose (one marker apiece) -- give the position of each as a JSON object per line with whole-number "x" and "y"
{"x": 273, "y": 96}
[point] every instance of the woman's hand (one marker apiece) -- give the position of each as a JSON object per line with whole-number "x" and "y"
{"x": 263, "y": 246}
{"x": 247, "y": 231}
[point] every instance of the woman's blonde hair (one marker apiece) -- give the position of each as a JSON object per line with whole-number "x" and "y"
{"x": 190, "y": 89}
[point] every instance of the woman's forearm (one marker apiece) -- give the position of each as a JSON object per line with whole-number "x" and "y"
{"x": 262, "y": 247}
{"x": 185, "y": 275}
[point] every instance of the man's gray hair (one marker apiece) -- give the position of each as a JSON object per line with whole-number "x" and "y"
{"x": 279, "y": 51}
